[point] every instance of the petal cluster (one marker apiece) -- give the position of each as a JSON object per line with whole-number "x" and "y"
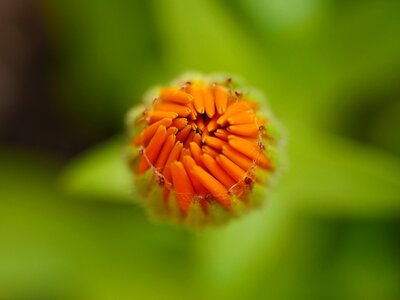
{"x": 198, "y": 149}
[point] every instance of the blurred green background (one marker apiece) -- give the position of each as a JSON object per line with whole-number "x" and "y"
{"x": 69, "y": 227}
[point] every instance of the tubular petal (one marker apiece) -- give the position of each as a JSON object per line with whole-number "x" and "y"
{"x": 151, "y": 152}
{"x": 193, "y": 112}
{"x": 217, "y": 171}
{"x": 148, "y": 133}
{"x": 241, "y": 117}
{"x": 157, "y": 115}
{"x": 182, "y": 135}
{"x": 221, "y": 99}
{"x": 197, "y": 139}
{"x": 209, "y": 150}
{"x": 176, "y": 96}
{"x": 263, "y": 161}
{"x": 172, "y": 130}
{"x": 165, "y": 152}
{"x": 196, "y": 152}
{"x": 209, "y": 102}
{"x": 237, "y": 106}
{"x": 182, "y": 111}
{"x": 222, "y": 134}
{"x": 212, "y": 125}
{"x": 214, "y": 142}
{"x": 189, "y": 163}
{"x": 174, "y": 155}
{"x": 230, "y": 167}
{"x": 205, "y": 134}
{"x": 244, "y": 146}
{"x": 237, "y": 157}
{"x": 200, "y": 124}
{"x": 180, "y": 123}
{"x": 183, "y": 187}
{"x": 189, "y": 139}
{"x": 214, "y": 186}
{"x": 198, "y": 99}
{"x": 249, "y": 130}
{"x": 185, "y": 151}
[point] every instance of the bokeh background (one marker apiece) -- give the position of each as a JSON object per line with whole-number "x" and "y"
{"x": 69, "y": 227}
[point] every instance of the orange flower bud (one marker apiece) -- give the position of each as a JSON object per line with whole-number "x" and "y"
{"x": 201, "y": 151}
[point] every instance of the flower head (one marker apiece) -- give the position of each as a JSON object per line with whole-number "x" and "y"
{"x": 202, "y": 150}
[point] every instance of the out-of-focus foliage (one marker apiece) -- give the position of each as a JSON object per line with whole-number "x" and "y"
{"x": 330, "y": 229}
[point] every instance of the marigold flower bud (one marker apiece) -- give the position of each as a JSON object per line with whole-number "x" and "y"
{"x": 202, "y": 150}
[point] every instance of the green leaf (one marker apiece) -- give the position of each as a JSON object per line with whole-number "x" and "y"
{"x": 328, "y": 174}
{"x": 100, "y": 173}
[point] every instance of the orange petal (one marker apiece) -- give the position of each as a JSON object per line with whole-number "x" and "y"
{"x": 248, "y": 130}
{"x": 244, "y": 146}
{"x": 193, "y": 112}
{"x": 200, "y": 123}
{"x": 196, "y": 91}
{"x": 180, "y": 123}
{"x": 185, "y": 151}
{"x": 165, "y": 152}
{"x": 197, "y": 139}
{"x": 175, "y": 95}
{"x": 216, "y": 188}
{"x": 251, "y": 150}
{"x": 151, "y": 152}
{"x": 235, "y": 107}
{"x": 193, "y": 124}
{"x": 196, "y": 152}
{"x": 157, "y": 115}
{"x": 214, "y": 142}
{"x": 231, "y": 168}
{"x": 208, "y": 97}
{"x": 212, "y": 125}
{"x": 183, "y": 187}
{"x": 146, "y": 135}
{"x": 222, "y": 134}
{"x": 182, "y": 111}
{"x": 189, "y": 139}
{"x": 263, "y": 161}
{"x": 172, "y": 130}
{"x": 204, "y": 134}
{"x": 238, "y": 158}
{"x": 174, "y": 155}
{"x": 189, "y": 163}
{"x": 209, "y": 150}
{"x": 183, "y": 134}
{"x": 221, "y": 98}
{"x": 219, "y": 173}
{"x": 241, "y": 117}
